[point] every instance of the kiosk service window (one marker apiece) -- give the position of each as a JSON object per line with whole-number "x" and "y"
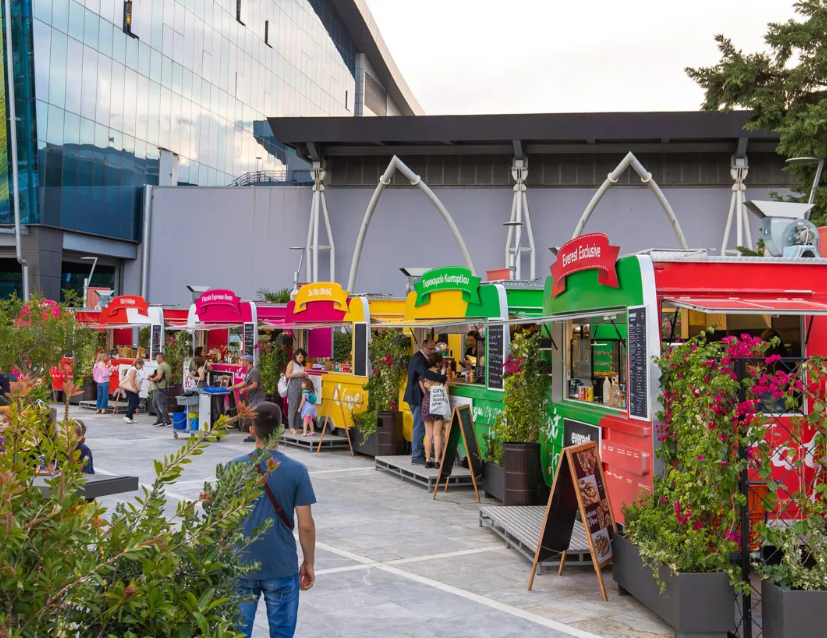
{"x": 596, "y": 360}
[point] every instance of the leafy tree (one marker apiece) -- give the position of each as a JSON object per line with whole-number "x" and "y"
{"x": 784, "y": 88}
{"x": 147, "y": 568}
{"x": 282, "y": 295}
{"x": 34, "y": 336}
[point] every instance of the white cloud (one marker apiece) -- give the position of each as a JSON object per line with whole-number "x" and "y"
{"x": 525, "y": 56}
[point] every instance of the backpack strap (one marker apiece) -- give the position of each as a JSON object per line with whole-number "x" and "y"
{"x": 273, "y": 500}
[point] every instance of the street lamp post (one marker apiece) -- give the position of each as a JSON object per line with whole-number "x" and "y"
{"x": 299, "y": 269}
{"x": 804, "y": 161}
{"x": 515, "y": 256}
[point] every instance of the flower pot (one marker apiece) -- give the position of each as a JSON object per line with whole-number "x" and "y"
{"x": 792, "y": 613}
{"x": 493, "y": 481}
{"x": 368, "y": 447}
{"x": 695, "y": 605}
{"x": 389, "y": 437}
{"x": 90, "y": 389}
{"x": 522, "y": 473}
{"x": 173, "y": 390}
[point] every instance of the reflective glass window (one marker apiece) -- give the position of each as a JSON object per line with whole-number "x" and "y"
{"x": 74, "y": 75}
{"x": 107, "y": 11}
{"x": 156, "y": 64}
{"x": 130, "y": 101}
{"x": 132, "y": 52}
{"x": 54, "y": 134}
{"x": 144, "y": 59}
{"x": 166, "y": 72}
{"x": 42, "y": 110}
{"x": 177, "y": 78}
{"x": 168, "y": 42}
{"x": 116, "y": 115}
{"x": 60, "y": 15}
{"x": 43, "y": 10}
{"x": 157, "y": 23}
{"x": 89, "y": 84}
{"x": 166, "y": 104}
{"x": 105, "y": 38}
{"x": 119, "y": 45}
{"x": 90, "y": 29}
{"x": 102, "y": 107}
{"x": 42, "y": 37}
{"x": 154, "y": 120}
{"x": 87, "y": 132}
{"x": 71, "y": 129}
{"x": 76, "y": 12}
{"x": 101, "y": 139}
{"x": 57, "y": 69}
{"x": 142, "y": 108}
{"x": 175, "y": 126}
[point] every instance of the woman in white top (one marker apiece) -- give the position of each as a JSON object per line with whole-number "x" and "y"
{"x": 131, "y": 384}
{"x": 294, "y": 374}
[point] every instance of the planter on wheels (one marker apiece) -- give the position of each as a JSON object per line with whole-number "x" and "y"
{"x": 389, "y": 437}
{"x": 522, "y": 473}
{"x": 792, "y": 613}
{"x": 493, "y": 481}
{"x": 695, "y": 605}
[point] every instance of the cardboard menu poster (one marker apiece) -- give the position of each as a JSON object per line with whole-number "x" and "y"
{"x": 579, "y": 485}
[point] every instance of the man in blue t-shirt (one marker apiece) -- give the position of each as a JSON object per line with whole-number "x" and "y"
{"x": 279, "y": 576}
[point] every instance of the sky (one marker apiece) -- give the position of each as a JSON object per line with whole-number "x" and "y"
{"x": 536, "y": 56}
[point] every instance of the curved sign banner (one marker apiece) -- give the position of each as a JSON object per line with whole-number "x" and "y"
{"x": 587, "y": 252}
{"x": 448, "y": 278}
{"x": 324, "y": 291}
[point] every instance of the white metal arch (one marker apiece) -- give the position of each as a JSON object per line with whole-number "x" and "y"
{"x": 646, "y": 178}
{"x": 397, "y": 165}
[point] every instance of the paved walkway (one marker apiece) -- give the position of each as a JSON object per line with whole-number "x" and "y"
{"x": 390, "y": 561}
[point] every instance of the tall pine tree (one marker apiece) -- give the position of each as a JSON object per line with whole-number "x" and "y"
{"x": 785, "y": 87}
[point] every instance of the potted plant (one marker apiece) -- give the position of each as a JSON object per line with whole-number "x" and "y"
{"x": 379, "y": 427}
{"x": 177, "y": 349}
{"x": 513, "y": 470}
{"x": 273, "y": 356}
{"x": 675, "y": 553}
{"x": 794, "y": 580}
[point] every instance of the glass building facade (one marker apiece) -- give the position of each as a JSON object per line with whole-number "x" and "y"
{"x": 103, "y": 87}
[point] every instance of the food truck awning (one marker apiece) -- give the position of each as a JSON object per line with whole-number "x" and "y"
{"x": 428, "y": 323}
{"x": 751, "y": 305}
{"x": 206, "y": 326}
{"x": 116, "y": 326}
{"x": 519, "y": 321}
{"x": 307, "y": 325}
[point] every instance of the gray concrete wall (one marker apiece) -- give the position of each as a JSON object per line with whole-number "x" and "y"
{"x": 238, "y": 238}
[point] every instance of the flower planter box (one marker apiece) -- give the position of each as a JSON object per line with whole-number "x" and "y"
{"x": 369, "y": 447}
{"x": 789, "y": 613}
{"x": 493, "y": 481}
{"x": 695, "y": 605}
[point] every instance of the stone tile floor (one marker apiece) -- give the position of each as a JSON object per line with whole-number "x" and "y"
{"x": 392, "y": 562}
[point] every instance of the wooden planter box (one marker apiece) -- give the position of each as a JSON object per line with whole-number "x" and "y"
{"x": 695, "y": 605}
{"x": 493, "y": 481}
{"x": 370, "y": 447}
{"x": 790, "y": 613}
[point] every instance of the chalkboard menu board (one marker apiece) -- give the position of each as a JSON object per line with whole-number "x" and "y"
{"x": 462, "y": 426}
{"x": 496, "y": 356}
{"x": 638, "y": 388}
{"x": 579, "y": 485}
{"x": 249, "y": 339}
{"x": 155, "y": 341}
{"x": 360, "y": 349}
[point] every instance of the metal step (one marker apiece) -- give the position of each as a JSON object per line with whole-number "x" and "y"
{"x": 402, "y": 467}
{"x": 311, "y": 443}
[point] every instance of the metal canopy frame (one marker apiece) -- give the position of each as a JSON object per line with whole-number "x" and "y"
{"x": 760, "y": 306}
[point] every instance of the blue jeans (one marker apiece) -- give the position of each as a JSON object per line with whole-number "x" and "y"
{"x": 418, "y": 437}
{"x": 281, "y": 596}
{"x": 103, "y": 396}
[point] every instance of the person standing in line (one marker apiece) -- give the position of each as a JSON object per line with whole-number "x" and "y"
{"x": 101, "y": 372}
{"x": 251, "y": 386}
{"x": 279, "y": 577}
{"x": 295, "y": 374}
{"x": 131, "y": 384}
{"x": 418, "y": 368}
{"x": 160, "y": 379}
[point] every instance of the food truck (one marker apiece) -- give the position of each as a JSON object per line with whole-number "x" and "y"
{"x": 609, "y": 317}
{"x": 446, "y": 304}
{"x": 119, "y": 319}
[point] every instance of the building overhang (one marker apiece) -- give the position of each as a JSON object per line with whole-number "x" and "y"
{"x": 536, "y": 133}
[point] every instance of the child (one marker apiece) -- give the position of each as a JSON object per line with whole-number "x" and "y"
{"x": 308, "y": 407}
{"x": 433, "y": 422}
{"x": 85, "y": 452}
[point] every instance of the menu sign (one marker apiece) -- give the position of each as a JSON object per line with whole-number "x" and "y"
{"x": 496, "y": 356}
{"x": 155, "y": 341}
{"x": 579, "y": 485}
{"x": 249, "y": 339}
{"x": 638, "y": 390}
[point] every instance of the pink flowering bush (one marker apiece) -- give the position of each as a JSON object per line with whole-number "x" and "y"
{"x": 691, "y": 521}
{"x": 389, "y": 352}
{"x": 525, "y": 400}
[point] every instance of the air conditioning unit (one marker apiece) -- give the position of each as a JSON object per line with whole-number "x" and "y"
{"x": 776, "y": 218}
